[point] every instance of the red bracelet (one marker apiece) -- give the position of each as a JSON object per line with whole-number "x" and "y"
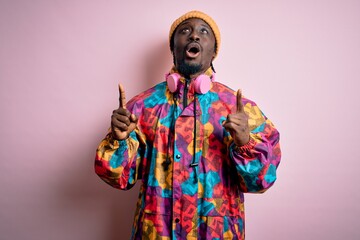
{"x": 247, "y": 147}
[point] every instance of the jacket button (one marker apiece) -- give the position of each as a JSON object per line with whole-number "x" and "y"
{"x": 177, "y": 220}
{"x": 178, "y": 156}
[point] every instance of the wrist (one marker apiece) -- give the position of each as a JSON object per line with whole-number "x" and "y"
{"x": 242, "y": 141}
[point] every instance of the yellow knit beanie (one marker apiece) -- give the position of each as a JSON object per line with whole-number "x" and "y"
{"x": 202, "y": 16}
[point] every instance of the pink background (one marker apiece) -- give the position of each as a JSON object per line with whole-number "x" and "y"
{"x": 60, "y": 62}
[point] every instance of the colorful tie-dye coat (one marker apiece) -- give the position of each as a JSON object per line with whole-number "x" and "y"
{"x": 187, "y": 191}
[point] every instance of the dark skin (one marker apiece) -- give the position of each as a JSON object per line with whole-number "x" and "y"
{"x": 191, "y": 34}
{"x": 194, "y": 33}
{"x": 122, "y": 121}
{"x": 237, "y": 123}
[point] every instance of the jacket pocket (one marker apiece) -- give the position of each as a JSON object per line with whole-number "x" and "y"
{"x": 232, "y": 206}
{"x": 153, "y": 226}
{"x": 218, "y": 227}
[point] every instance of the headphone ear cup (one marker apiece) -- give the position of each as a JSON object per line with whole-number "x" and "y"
{"x": 202, "y": 84}
{"x": 173, "y": 81}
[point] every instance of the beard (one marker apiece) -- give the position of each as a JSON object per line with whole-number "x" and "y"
{"x": 188, "y": 69}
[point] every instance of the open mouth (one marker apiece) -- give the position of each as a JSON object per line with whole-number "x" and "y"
{"x": 193, "y": 50}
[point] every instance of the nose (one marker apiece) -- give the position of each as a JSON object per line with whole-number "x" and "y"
{"x": 194, "y": 36}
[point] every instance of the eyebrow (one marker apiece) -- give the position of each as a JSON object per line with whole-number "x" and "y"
{"x": 202, "y": 24}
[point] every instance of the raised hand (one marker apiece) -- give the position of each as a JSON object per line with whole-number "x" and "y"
{"x": 122, "y": 121}
{"x": 237, "y": 123}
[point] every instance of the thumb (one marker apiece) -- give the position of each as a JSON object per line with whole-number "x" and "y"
{"x": 133, "y": 118}
{"x": 122, "y": 98}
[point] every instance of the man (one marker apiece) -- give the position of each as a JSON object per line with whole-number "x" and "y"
{"x": 195, "y": 144}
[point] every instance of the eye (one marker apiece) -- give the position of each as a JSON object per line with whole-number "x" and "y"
{"x": 204, "y": 30}
{"x": 184, "y": 30}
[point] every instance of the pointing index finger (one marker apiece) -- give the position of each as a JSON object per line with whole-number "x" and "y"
{"x": 239, "y": 105}
{"x": 122, "y": 98}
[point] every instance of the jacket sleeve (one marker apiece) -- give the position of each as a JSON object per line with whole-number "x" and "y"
{"x": 118, "y": 162}
{"x": 257, "y": 161}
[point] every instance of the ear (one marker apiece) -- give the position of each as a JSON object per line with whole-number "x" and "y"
{"x": 214, "y": 53}
{"x": 174, "y": 59}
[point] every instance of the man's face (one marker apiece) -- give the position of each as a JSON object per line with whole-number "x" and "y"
{"x": 194, "y": 47}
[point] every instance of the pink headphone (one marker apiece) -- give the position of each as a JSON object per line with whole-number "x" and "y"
{"x": 202, "y": 82}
